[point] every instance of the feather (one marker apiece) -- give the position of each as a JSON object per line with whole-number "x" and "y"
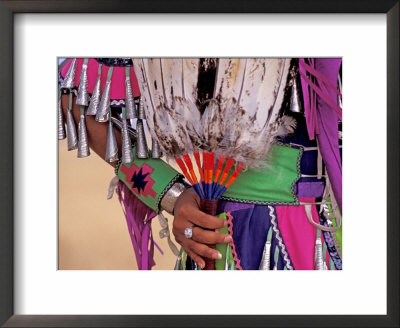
{"x": 287, "y": 126}
{"x": 167, "y": 124}
{"x": 253, "y": 124}
{"x": 241, "y": 113}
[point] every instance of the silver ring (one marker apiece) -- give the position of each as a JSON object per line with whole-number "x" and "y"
{"x": 188, "y": 232}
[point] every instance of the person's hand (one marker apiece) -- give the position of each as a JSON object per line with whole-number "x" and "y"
{"x": 187, "y": 214}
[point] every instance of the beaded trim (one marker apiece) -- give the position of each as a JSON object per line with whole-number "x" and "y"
{"x": 119, "y": 163}
{"x": 121, "y": 62}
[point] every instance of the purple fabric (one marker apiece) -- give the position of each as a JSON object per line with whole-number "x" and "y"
{"x": 138, "y": 218}
{"x": 323, "y": 120}
{"x": 314, "y": 189}
{"x": 225, "y": 206}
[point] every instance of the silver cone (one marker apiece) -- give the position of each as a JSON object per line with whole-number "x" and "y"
{"x": 95, "y": 100}
{"x": 266, "y": 257}
{"x": 129, "y": 100}
{"x": 111, "y": 146}
{"x": 71, "y": 131}
{"x": 318, "y": 256}
{"x": 127, "y": 154}
{"x": 141, "y": 114}
{"x": 83, "y": 145}
{"x": 103, "y": 113}
{"x": 142, "y": 151}
{"x": 155, "y": 149}
{"x": 295, "y": 100}
{"x": 61, "y": 126}
{"x": 69, "y": 80}
{"x": 83, "y": 94}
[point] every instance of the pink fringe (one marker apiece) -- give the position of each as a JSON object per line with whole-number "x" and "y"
{"x": 138, "y": 218}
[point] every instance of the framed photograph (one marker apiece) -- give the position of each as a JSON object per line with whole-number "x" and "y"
{"x": 44, "y": 281}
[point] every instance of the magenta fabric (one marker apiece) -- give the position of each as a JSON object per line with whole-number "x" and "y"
{"x": 322, "y": 114}
{"x": 117, "y": 80}
{"x": 298, "y": 234}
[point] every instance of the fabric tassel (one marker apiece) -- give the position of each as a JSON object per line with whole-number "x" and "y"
{"x": 129, "y": 99}
{"x": 266, "y": 257}
{"x": 103, "y": 113}
{"x": 127, "y": 154}
{"x": 155, "y": 149}
{"x": 164, "y": 233}
{"x": 83, "y": 95}
{"x": 112, "y": 146}
{"x": 295, "y": 100}
{"x": 69, "y": 80}
{"x": 61, "y": 126}
{"x": 318, "y": 256}
{"x": 96, "y": 95}
{"x": 276, "y": 257}
{"x": 138, "y": 219}
{"x": 72, "y": 137}
{"x": 141, "y": 114}
{"x": 112, "y": 187}
{"x": 178, "y": 264}
{"x": 227, "y": 257}
{"x": 142, "y": 151}
{"x": 83, "y": 144}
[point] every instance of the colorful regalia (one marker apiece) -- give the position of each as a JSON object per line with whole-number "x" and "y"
{"x": 284, "y": 214}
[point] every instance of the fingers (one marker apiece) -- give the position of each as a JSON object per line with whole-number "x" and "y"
{"x": 199, "y": 261}
{"x": 210, "y": 237}
{"x": 201, "y": 219}
{"x": 204, "y": 251}
{"x": 198, "y": 251}
{"x": 187, "y": 214}
{"x": 204, "y": 220}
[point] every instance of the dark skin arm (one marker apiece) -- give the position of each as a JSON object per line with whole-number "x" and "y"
{"x": 187, "y": 209}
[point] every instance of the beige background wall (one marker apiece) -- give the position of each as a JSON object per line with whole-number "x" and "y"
{"x": 92, "y": 231}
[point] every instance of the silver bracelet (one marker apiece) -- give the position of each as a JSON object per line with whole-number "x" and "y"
{"x": 169, "y": 199}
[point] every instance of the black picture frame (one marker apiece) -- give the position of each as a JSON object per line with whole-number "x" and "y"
{"x": 7, "y": 11}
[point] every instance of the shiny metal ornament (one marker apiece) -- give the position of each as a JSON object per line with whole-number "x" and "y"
{"x": 142, "y": 151}
{"x": 103, "y": 113}
{"x": 318, "y": 256}
{"x": 155, "y": 149}
{"x": 96, "y": 95}
{"x": 83, "y": 94}
{"x": 129, "y": 100}
{"x": 295, "y": 100}
{"x": 111, "y": 145}
{"x": 141, "y": 114}
{"x": 69, "y": 80}
{"x": 276, "y": 257}
{"x": 83, "y": 144}
{"x": 227, "y": 254}
{"x": 266, "y": 257}
{"x": 61, "y": 126}
{"x": 72, "y": 137}
{"x": 127, "y": 153}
